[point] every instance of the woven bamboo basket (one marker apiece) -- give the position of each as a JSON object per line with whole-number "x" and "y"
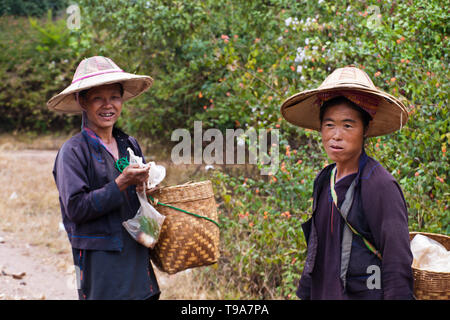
{"x": 429, "y": 285}
{"x": 186, "y": 241}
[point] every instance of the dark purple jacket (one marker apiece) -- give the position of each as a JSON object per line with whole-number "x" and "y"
{"x": 378, "y": 211}
{"x": 90, "y": 202}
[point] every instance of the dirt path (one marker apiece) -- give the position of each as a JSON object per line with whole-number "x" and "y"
{"x": 28, "y": 272}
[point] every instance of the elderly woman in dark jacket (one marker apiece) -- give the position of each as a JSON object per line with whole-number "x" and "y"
{"x": 358, "y": 238}
{"x": 95, "y": 196}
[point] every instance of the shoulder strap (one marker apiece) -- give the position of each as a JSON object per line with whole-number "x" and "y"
{"x": 345, "y": 209}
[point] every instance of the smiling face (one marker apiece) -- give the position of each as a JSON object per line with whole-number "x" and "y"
{"x": 342, "y": 133}
{"x": 103, "y": 106}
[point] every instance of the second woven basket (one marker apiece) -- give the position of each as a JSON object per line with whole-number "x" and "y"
{"x": 186, "y": 240}
{"x": 430, "y": 285}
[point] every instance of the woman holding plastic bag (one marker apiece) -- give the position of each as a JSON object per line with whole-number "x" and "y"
{"x": 95, "y": 196}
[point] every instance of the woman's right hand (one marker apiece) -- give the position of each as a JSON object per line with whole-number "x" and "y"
{"x": 132, "y": 175}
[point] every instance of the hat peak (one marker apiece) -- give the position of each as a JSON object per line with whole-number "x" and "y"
{"x": 93, "y": 65}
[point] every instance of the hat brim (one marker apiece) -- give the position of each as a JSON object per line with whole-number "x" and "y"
{"x": 302, "y": 110}
{"x": 133, "y": 86}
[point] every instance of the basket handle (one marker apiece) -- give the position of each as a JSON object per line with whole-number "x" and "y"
{"x": 155, "y": 202}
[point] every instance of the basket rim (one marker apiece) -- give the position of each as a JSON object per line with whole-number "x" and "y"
{"x": 437, "y": 273}
{"x": 430, "y": 233}
{"x": 186, "y": 184}
{"x": 180, "y": 187}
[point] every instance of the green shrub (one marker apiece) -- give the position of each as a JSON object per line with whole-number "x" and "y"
{"x": 37, "y": 60}
{"x": 30, "y": 7}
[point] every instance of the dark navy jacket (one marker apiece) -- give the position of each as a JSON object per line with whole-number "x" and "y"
{"x": 90, "y": 202}
{"x": 379, "y": 213}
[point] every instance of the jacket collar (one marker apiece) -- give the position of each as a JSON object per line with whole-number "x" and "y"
{"x": 324, "y": 176}
{"x": 94, "y": 140}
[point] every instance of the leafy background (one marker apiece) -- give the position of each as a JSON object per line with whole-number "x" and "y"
{"x": 231, "y": 64}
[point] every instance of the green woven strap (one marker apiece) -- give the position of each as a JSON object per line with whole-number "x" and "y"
{"x": 122, "y": 163}
{"x": 184, "y": 211}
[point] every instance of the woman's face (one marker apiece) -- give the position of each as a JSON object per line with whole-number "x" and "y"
{"x": 342, "y": 133}
{"x": 103, "y": 106}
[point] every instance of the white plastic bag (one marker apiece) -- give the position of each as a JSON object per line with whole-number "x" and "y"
{"x": 157, "y": 173}
{"x": 146, "y": 224}
{"x": 429, "y": 254}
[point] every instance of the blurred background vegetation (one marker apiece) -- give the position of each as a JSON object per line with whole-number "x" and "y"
{"x": 231, "y": 64}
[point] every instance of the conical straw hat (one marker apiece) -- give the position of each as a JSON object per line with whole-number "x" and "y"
{"x": 389, "y": 114}
{"x": 96, "y": 71}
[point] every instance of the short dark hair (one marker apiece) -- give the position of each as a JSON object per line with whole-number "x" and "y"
{"x": 83, "y": 93}
{"x": 364, "y": 115}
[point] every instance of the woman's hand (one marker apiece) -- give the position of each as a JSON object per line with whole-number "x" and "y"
{"x": 132, "y": 175}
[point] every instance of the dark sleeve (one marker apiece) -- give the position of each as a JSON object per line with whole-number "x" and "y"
{"x": 304, "y": 287}
{"x": 387, "y": 216}
{"x": 81, "y": 203}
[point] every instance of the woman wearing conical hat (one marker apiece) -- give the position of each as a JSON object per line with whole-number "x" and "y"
{"x": 95, "y": 197}
{"x": 357, "y": 237}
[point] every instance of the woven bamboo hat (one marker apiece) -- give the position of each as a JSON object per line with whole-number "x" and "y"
{"x": 96, "y": 71}
{"x": 388, "y": 113}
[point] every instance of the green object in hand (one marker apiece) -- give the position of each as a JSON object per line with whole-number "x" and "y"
{"x": 121, "y": 164}
{"x": 149, "y": 226}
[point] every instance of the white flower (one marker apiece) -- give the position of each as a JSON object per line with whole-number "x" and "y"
{"x": 209, "y": 167}
{"x": 299, "y": 69}
{"x": 288, "y": 21}
{"x": 299, "y": 57}
{"x": 307, "y": 40}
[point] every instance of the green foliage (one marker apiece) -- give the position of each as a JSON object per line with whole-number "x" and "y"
{"x": 30, "y": 7}
{"x": 264, "y": 213}
{"x": 37, "y": 60}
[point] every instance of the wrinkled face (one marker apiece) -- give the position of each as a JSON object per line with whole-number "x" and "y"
{"x": 103, "y": 106}
{"x": 342, "y": 133}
